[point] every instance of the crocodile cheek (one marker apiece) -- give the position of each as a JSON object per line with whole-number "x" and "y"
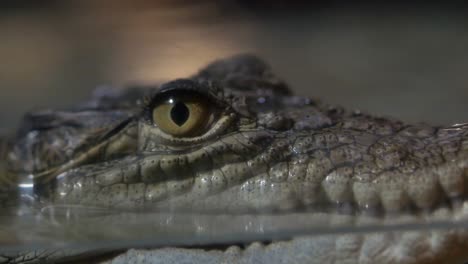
{"x": 392, "y": 192}
{"x": 262, "y": 195}
{"x": 451, "y": 178}
{"x": 179, "y": 176}
{"x": 337, "y": 185}
{"x": 423, "y": 188}
{"x": 165, "y": 177}
{"x": 73, "y": 187}
{"x": 150, "y": 170}
{"x": 464, "y": 145}
{"x": 155, "y": 192}
{"x": 113, "y": 195}
{"x": 366, "y": 196}
{"x": 124, "y": 143}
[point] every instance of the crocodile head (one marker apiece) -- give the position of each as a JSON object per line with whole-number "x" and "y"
{"x": 234, "y": 138}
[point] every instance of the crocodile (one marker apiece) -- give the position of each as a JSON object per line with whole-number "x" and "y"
{"x": 233, "y": 143}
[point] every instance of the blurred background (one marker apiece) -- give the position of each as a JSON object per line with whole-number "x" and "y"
{"x": 404, "y": 60}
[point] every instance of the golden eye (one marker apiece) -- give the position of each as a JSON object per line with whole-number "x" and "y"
{"x": 182, "y": 117}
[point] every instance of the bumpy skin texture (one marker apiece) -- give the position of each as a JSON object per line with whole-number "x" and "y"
{"x": 266, "y": 151}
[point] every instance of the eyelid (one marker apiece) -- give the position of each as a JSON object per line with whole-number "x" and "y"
{"x": 213, "y": 95}
{"x": 220, "y": 125}
{"x": 187, "y": 86}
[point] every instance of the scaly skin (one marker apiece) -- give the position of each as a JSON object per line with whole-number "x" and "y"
{"x": 265, "y": 152}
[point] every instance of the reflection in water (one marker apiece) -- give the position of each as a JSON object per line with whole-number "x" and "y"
{"x": 58, "y": 226}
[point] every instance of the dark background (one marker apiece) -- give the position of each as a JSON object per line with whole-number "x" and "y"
{"x": 409, "y": 61}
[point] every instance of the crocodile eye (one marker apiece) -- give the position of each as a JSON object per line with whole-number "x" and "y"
{"x": 182, "y": 115}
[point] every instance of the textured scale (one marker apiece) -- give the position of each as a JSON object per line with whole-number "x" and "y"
{"x": 272, "y": 152}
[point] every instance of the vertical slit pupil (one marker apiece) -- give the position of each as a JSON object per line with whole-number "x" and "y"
{"x": 180, "y": 113}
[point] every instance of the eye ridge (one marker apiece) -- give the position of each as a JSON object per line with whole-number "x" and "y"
{"x": 180, "y": 113}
